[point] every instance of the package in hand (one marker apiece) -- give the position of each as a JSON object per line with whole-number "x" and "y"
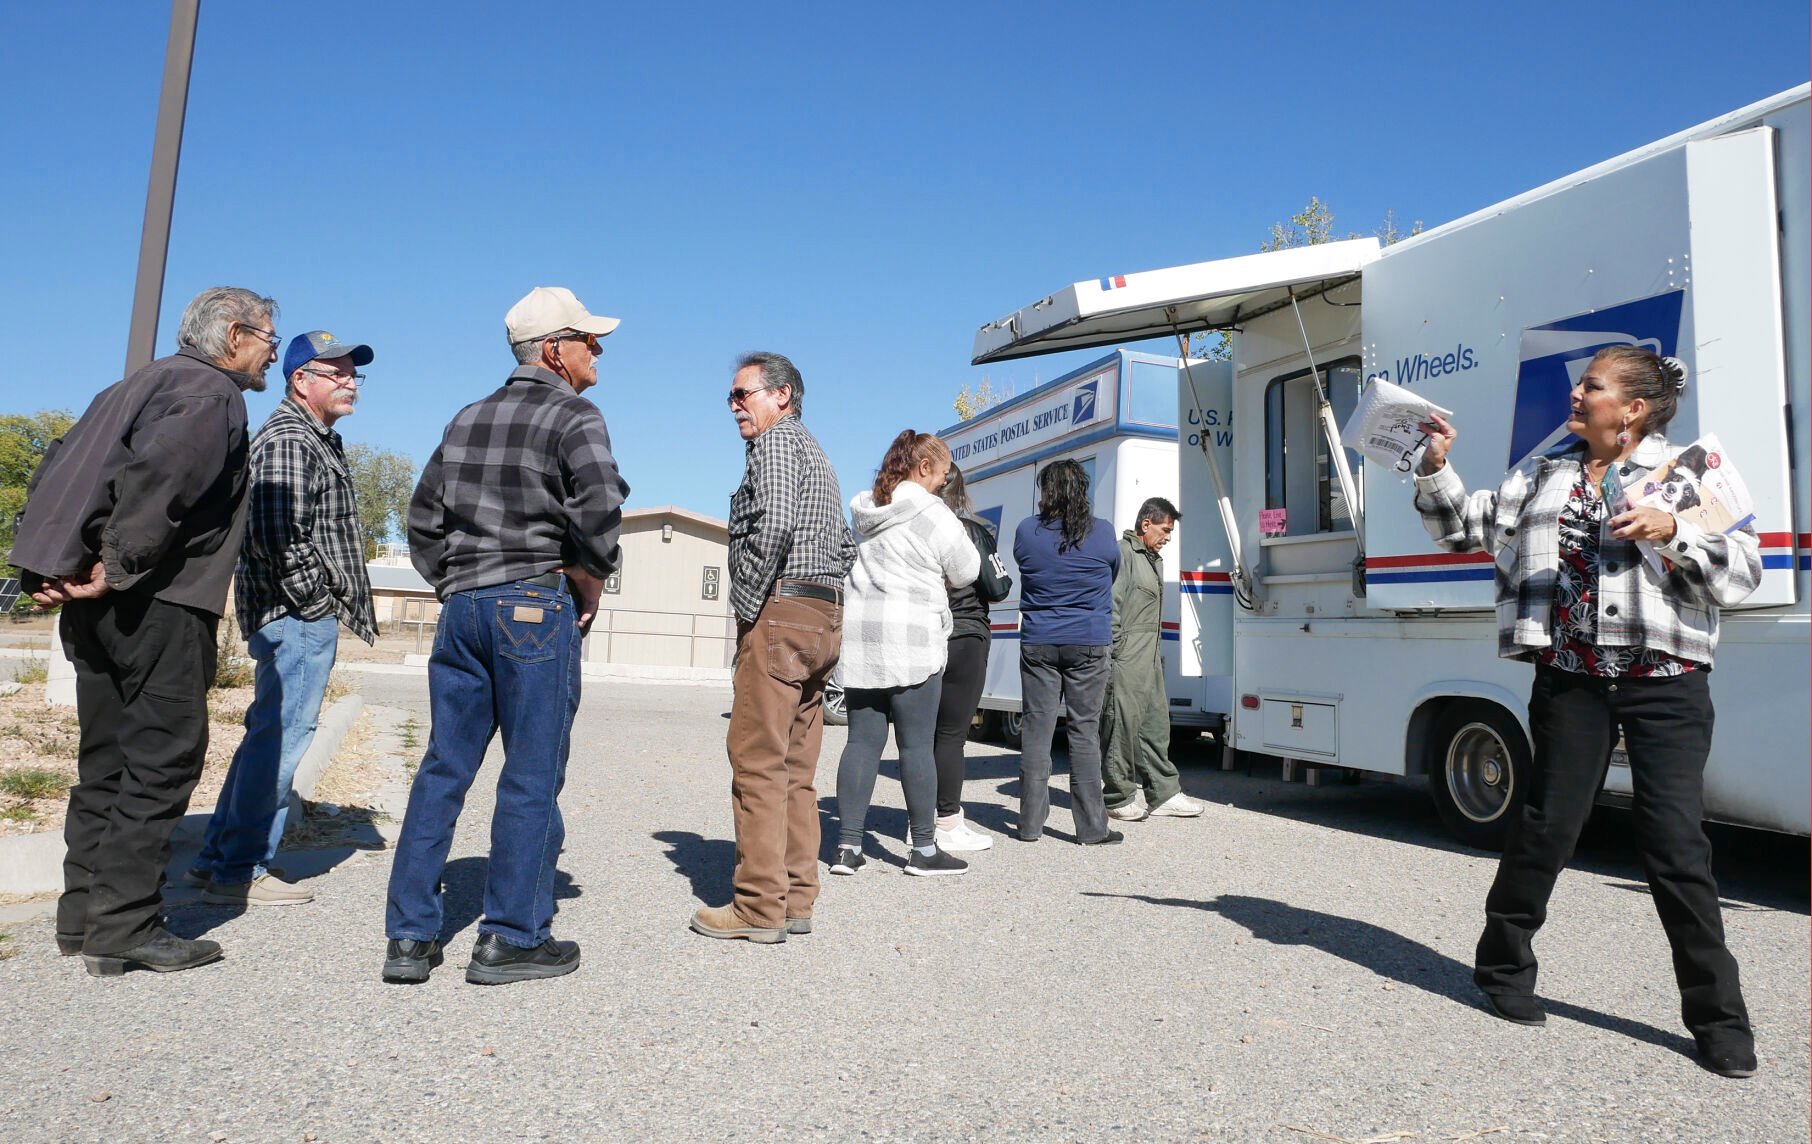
{"x": 1386, "y": 425}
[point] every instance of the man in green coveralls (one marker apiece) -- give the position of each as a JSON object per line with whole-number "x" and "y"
{"x": 1140, "y": 779}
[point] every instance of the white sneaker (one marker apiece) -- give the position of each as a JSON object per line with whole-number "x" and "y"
{"x": 1178, "y": 805}
{"x": 1134, "y": 811}
{"x": 963, "y": 838}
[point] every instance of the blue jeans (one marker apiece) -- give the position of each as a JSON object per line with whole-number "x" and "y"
{"x": 505, "y": 658}
{"x": 293, "y": 658}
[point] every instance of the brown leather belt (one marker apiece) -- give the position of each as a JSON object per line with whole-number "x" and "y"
{"x": 809, "y": 590}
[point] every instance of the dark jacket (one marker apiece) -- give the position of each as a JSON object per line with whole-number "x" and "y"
{"x": 969, "y": 604}
{"x": 150, "y": 482}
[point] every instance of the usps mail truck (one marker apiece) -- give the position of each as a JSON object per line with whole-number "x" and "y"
{"x": 1351, "y": 640}
{"x": 1117, "y": 416}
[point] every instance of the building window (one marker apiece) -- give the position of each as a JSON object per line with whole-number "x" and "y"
{"x": 1299, "y": 471}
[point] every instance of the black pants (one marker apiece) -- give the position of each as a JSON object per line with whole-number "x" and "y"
{"x": 142, "y": 672}
{"x": 964, "y": 672}
{"x": 1667, "y": 731}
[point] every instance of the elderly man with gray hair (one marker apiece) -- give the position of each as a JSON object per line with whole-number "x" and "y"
{"x": 132, "y": 524}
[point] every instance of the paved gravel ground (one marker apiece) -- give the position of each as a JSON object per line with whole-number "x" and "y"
{"x": 1291, "y": 967}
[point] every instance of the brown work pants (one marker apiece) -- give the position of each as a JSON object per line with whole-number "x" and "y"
{"x": 776, "y": 724}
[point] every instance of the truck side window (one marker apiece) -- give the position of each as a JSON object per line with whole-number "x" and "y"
{"x": 1299, "y": 472}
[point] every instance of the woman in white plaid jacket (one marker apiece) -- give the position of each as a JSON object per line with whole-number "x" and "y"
{"x": 896, "y": 631}
{"x": 1616, "y": 645}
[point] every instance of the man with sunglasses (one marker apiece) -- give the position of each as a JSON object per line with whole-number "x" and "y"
{"x": 301, "y": 575}
{"x": 789, "y": 552}
{"x": 132, "y": 524}
{"x": 515, "y": 523}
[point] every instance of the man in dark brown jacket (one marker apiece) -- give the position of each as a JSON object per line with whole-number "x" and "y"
{"x": 132, "y": 524}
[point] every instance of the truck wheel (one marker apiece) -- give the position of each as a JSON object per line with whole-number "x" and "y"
{"x": 1478, "y": 772}
{"x": 836, "y": 710}
{"x": 1010, "y": 724}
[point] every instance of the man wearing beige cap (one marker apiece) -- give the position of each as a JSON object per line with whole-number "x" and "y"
{"x": 515, "y": 523}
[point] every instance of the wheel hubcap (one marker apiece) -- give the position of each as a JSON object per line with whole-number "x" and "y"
{"x": 1478, "y": 773}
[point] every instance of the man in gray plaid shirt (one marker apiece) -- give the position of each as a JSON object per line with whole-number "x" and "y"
{"x": 301, "y": 574}
{"x": 789, "y": 552}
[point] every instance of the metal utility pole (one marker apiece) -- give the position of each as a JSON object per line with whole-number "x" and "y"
{"x": 160, "y": 196}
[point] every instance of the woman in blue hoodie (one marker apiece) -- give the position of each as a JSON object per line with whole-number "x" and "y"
{"x": 1067, "y": 559}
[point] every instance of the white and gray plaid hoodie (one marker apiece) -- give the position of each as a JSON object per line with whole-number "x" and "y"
{"x": 1519, "y": 524}
{"x": 896, "y": 612}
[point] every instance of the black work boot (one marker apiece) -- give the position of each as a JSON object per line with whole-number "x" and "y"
{"x": 162, "y": 952}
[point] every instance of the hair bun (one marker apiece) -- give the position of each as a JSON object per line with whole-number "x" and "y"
{"x": 1674, "y": 368}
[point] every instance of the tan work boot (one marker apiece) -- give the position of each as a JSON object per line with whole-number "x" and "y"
{"x": 721, "y": 921}
{"x": 264, "y": 890}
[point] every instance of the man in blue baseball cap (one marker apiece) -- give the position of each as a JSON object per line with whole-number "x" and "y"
{"x": 301, "y": 575}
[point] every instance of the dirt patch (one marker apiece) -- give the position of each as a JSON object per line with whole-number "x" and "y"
{"x": 38, "y": 739}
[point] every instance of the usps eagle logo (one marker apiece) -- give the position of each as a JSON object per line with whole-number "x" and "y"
{"x": 1553, "y": 357}
{"x": 1084, "y": 407}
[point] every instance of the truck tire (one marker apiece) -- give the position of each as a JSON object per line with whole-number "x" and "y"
{"x": 1010, "y": 723}
{"x": 1478, "y": 772}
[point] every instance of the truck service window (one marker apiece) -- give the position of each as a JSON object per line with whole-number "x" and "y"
{"x": 1299, "y": 472}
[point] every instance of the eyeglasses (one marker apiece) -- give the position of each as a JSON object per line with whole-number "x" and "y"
{"x": 590, "y": 340}
{"x": 357, "y": 379}
{"x": 267, "y": 335}
{"x": 740, "y": 395}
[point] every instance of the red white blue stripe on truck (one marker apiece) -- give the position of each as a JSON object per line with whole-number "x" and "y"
{"x": 1778, "y": 551}
{"x": 1113, "y": 282}
{"x": 1205, "y": 583}
{"x": 1172, "y": 630}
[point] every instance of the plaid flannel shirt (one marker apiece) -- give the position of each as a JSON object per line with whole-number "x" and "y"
{"x": 523, "y": 483}
{"x": 304, "y": 552}
{"x": 786, "y": 518}
{"x": 1519, "y": 523}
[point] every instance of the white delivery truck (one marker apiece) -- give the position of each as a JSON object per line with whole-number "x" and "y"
{"x": 1116, "y": 416}
{"x": 1344, "y": 637}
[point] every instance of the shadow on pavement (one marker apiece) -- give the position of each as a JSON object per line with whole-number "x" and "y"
{"x": 707, "y": 863}
{"x": 462, "y": 893}
{"x": 1390, "y": 954}
{"x": 1754, "y": 868}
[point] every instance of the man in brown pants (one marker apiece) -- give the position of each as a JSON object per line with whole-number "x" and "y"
{"x": 789, "y": 552}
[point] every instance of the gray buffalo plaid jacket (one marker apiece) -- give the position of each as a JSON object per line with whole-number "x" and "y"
{"x": 523, "y": 483}
{"x": 1674, "y": 612}
{"x": 786, "y": 518}
{"x": 304, "y": 552}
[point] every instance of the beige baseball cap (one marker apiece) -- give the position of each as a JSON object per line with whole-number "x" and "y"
{"x": 548, "y": 308}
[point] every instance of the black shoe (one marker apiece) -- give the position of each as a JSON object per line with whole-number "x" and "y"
{"x": 1737, "y": 1061}
{"x": 1114, "y": 838}
{"x": 408, "y": 961}
{"x": 1518, "y": 1008}
{"x": 162, "y": 952}
{"x": 496, "y": 962}
{"x": 69, "y": 944}
{"x": 935, "y": 864}
{"x": 849, "y": 860}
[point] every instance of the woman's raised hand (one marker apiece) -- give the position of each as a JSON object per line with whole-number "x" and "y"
{"x": 1440, "y": 439}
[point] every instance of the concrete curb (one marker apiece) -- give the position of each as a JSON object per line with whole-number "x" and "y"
{"x": 33, "y": 863}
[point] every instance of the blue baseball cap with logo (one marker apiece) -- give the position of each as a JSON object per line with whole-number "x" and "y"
{"x": 304, "y": 348}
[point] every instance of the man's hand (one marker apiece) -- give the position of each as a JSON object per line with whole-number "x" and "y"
{"x": 1649, "y": 524}
{"x": 586, "y": 590}
{"x": 63, "y": 589}
{"x": 1440, "y": 439}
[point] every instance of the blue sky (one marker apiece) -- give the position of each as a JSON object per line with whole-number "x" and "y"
{"x": 855, "y": 186}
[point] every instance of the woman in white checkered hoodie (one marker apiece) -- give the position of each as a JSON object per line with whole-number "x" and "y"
{"x": 896, "y": 631}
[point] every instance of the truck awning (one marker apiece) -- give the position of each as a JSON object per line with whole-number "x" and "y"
{"x": 1158, "y": 303}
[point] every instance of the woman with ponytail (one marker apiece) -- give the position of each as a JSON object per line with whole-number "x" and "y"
{"x": 1617, "y": 644}
{"x": 896, "y": 625}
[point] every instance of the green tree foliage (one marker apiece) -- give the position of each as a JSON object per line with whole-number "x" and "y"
{"x": 23, "y": 440}
{"x": 383, "y": 481}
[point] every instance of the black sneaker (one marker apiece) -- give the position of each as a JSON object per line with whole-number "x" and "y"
{"x": 408, "y": 961}
{"x": 1114, "y": 838}
{"x": 496, "y": 962}
{"x": 849, "y": 860}
{"x": 934, "y": 864}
